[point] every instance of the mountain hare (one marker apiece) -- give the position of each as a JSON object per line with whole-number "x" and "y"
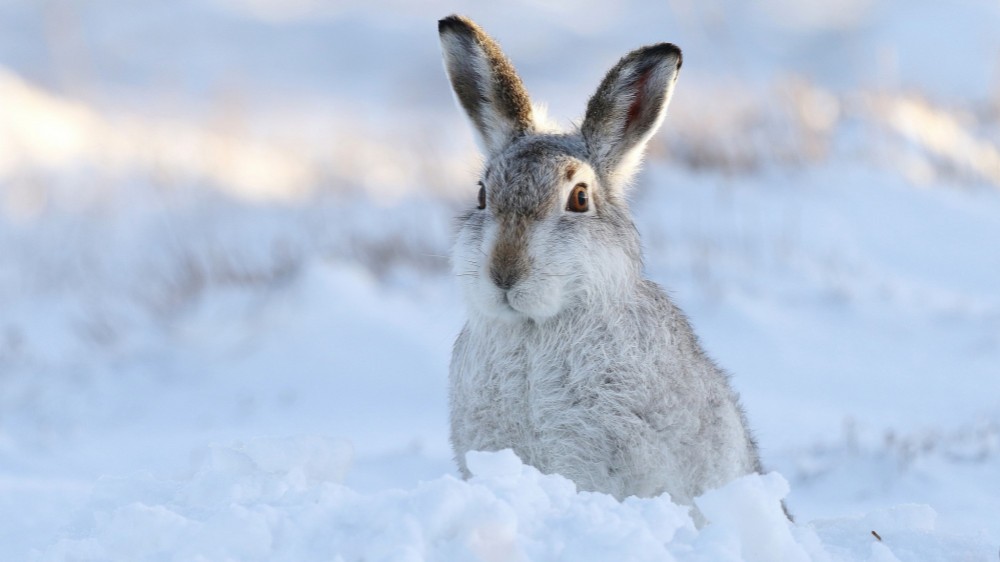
{"x": 569, "y": 356}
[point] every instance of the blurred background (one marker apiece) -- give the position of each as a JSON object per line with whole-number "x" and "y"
{"x": 225, "y": 219}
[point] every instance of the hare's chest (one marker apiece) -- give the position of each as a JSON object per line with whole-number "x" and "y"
{"x": 490, "y": 393}
{"x": 508, "y": 393}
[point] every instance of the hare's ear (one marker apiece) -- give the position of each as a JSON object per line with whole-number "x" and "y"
{"x": 485, "y": 83}
{"x": 628, "y": 108}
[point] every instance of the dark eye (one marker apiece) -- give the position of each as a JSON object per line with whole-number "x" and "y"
{"x": 579, "y": 201}
{"x": 482, "y": 196}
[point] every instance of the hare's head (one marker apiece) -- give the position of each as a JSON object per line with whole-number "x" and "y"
{"x": 551, "y": 227}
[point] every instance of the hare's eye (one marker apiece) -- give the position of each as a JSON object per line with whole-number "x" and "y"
{"x": 579, "y": 201}
{"x": 482, "y": 196}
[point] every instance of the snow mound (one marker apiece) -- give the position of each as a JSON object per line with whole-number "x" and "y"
{"x": 283, "y": 499}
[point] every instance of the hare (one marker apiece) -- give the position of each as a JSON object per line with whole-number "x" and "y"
{"x": 569, "y": 356}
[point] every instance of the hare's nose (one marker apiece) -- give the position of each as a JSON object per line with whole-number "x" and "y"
{"x": 504, "y": 278}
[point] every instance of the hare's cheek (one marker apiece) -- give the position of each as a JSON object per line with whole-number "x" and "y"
{"x": 467, "y": 253}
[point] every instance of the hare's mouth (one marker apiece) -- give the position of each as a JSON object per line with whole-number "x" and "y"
{"x": 522, "y": 303}
{"x": 506, "y": 306}
{"x": 505, "y": 300}
{"x": 509, "y": 305}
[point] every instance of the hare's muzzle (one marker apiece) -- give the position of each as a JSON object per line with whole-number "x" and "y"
{"x": 509, "y": 262}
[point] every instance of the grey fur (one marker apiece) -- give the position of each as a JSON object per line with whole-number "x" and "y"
{"x": 569, "y": 356}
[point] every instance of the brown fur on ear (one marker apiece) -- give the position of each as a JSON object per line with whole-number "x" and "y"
{"x": 485, "y": 82}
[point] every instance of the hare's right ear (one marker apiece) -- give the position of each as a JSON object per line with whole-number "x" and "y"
{"x": 628, "y": 108}
{"x": 485, "y": 83}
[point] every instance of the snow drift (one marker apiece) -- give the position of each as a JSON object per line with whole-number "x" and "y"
{"x": 282, "y": 499}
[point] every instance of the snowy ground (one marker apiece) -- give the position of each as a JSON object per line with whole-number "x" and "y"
{"x": 226, "y": 313}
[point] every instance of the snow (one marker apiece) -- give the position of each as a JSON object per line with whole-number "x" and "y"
{"x": 282, "y": 499}
{"x": 226, "y": 315}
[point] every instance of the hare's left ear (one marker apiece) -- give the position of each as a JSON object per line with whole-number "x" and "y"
{"x": 628, "y": 108}
{"x": 485, "y": 83}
